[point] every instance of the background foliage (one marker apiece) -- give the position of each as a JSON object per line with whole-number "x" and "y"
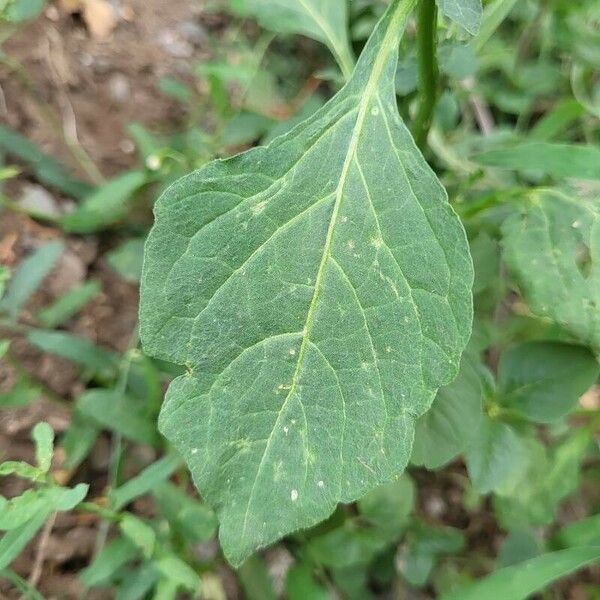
{"x": 503, "y": 476}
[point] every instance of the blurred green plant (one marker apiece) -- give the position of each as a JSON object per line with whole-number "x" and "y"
{"x": 508, "y": 98}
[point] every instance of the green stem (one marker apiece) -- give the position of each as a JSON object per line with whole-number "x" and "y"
{"x": 345, "y": 60}
{"x": 428, "y": 69}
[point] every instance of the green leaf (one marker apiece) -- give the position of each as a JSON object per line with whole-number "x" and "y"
{"x": 557, "y": 120}
{"x": 20, "y": 509}
{"x": 544, "y": 380}
{"x": 127, "y": 259}
{"x": 43, "y": 437}
{"x": 69, "y": 304}
{"x": 448, "y": 427}
{"x": 20, "y": 469}
{"x": 302, "y": 585}
{"x": 4, "y": 278}
{"x": 21, "y": 394}
{"x": 145, "y": 481}
{"x": 177, "y": 571}
{"x": 255, "y": 580}
{"x": 16, "y": 11}
{"x": 486, "y": 260}
{"x": 389, "y": 506}
{"x": 319, "y": 294}
{"x": 139, "y": 533}
{"x": 495, "y": 456}
{"x": 519, "y": 545}
{"x": 495, "y": 12}
{"x": 76, "y": 349}
{"x": 323, "y": 20}
{"x": 193, "y": 519}
{"x": 520, "y": 581}
{"x": 548, "y": 478}
{"x": 360, "y": 546}
{"x": 45, "y": 169}
{"x": 106, "y": 205}
{"x": 78, "y": 441}
{"x": 467, "y": 13}
{"x": 551, "y": 247}
{"x": 22, "y": 585}
{"x": 425, "y": 544}
{"x": 137, "y": 584}
{"x": 114, "y": 556}
{"x": 29, "y": 276}
{"x": 13, "y": 542}
{"x": 585, "y": 532}
{"x": 65, "y": 499}
{"x": 117, "y": 412}
{"x": 556, "y": 160}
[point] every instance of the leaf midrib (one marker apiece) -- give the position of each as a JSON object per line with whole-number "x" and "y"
{"x": 400, "y": 13}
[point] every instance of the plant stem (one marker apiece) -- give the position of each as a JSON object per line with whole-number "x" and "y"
{"x": 428, "y": 69}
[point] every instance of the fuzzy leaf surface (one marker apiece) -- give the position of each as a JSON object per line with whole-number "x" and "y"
{"x": 318, "y": 290}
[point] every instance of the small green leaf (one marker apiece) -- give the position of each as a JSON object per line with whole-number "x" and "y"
{"x": 145, "y": 481}
{"x": 68, "y": 305}
{"x": 20, "y": 509}
{"x": 45, "y": 168}
{"x": 117, "y": 412}
{"x": 486, "y": 260}
{"x": 557, "y": 120}
{"x": 43, "y": 437}
{"x": 137, "y": 584}
{"x": 547, "y": 479}
{"x": 139, "y": 533}
{"x": 520, "y": 581}
{"x": 106, "y": 205}
{"x": 20, "y": 469}
{"x": 360, "y": 546}
{"x": 78, "y": 441}
{"x": 552, "y": 248}
{"x": 323, "y": 20}
{"x": 519, "y": 546}
{"x": 115, "y": 555}
{"x": 495, "y": 457}
{"x": 193, "y": 519}
{"x": 76, "y": 349}
{"x": 65, "y": 499}
{"x": 467, "y": 13}
{"x": 424, "y": 545}
{"x": 448, "y": 427}
{"x": 585, "y": 532}
{"x": 4, "y": 279}
{"x": 177, "y": 571}
{"x": 495, "y": 12}
{"x": 29, "y": 277}
{"x": 255, "y": 580}
{"x": 21, "y": 394}
{"x": 22, "y": 585}
{"x": 127, "y": 259}
{"x": 556, "y": 160}
{"x": 302, "y": 585}
{"x": 13, "y": 542}
{"x": 544, "y": 380}
{"x": 389, "y": 506}
{"x": 319, "y": 291}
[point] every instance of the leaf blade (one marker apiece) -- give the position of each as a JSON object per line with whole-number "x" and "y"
{"x": 291, "y": 231}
